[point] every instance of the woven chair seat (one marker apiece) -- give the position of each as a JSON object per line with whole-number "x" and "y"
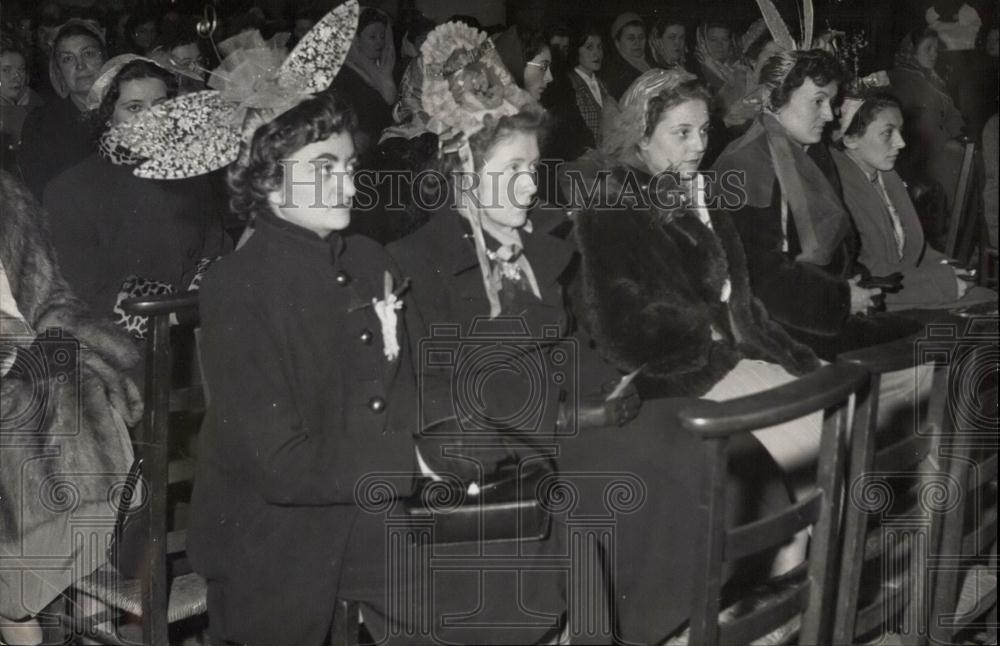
{"x": 187, "y": 596}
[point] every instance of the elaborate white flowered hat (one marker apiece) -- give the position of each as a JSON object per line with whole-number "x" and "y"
{"x": 200, "y": 132}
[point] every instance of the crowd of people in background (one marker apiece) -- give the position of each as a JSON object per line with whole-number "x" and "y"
{"x": 848, "y": 176}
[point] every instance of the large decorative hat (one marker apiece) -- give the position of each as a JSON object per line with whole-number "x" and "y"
{"x": 466, "y": 85}
{"x": 107, "y": 75}
{"x": 465, "y": 81}
{"x": 200, "y": 132}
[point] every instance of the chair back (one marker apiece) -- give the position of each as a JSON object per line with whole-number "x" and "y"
{"x": 162, "y": 401}
{"x": 828, "y": 389}
{"x": 963, "y": 210}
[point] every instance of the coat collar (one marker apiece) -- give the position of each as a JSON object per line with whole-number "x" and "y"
{"x": 333, "y": 245}
{"x": 549, "y": 256}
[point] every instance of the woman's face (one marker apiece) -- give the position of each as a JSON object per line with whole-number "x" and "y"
{"x": 879, "y": 146}
{"x": 507, "y": 183}
{"x": 678, "y": 142}
{"x": 632, "y": 40}
{"x": 13, "y": 76}
{"x": 371, "y": 41}
{"x": 672, "y": 43}
{"x": 559, "y": 44}
{"x": 808, "y": 111}
{"x": 538, "y": 73}
{"x": 927, "y": 53}
{"x": 318, "y": 186}
{"x": 591, "y": 53}
{"x": 144, "y": 35}
{"x": 718, "y": 43}
{"x": 78, "y": 59}
{"x": 135, "y": 97}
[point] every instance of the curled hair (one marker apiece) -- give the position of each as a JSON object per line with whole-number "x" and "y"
{"x": 784, "y": 73}
{"x": 874, "y": 103}
{"x": 101, "y": 117}
{"x": 577, "y": 38}
{"x": 259, "y": 172}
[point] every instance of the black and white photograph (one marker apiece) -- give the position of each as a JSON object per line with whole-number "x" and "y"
{"x": 554, "y": 322}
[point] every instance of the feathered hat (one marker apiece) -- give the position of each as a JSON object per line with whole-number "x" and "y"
{"x": 198, "y": 133}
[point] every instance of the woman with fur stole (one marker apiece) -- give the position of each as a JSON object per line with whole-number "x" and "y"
{"x": 66, "y": 401}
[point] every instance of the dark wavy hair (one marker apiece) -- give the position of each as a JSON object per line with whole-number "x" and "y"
{"x": 669, "y": 99}
{"x": 874, "y": 103}
{"x": 578, "y": 36}
{"x": 370, "y": 15}
{"x": 258, "y": 172}
{"x": 786, "y": 72}
{"x": 129, "y": 72}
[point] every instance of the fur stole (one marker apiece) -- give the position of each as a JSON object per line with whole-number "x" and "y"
{"x": 64, "y": 447}
{"x": 662, "y": 291}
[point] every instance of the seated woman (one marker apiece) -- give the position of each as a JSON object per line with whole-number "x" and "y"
{"x": 800, "y": 248}
{"x": 17, "y": 99}
{"x": 116, "y": 233}
{"x": 579, "y": 103}
{"x": 56, "y": 135}
{"x": 492, "y": 265}
{"x": 668, "y": 43}
{"x": 932, "y": 122}
{"x": 366, "y": 81}
{"x": 66, "y": 402}
{"x": 891, "y": 237}
{"x": 664, "y": 285}
{"x": 628, "y": 58}
{"x": 723, "y": 71}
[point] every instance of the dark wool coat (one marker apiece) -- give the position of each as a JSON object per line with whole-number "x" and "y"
{"x": 108, "y": 224}
{"x": 813, "y": 303}
{"x": 651, "y": 285}
{"x": 303, "y": 405}
{"x": 54, "y": 137}
{"x": 58, "y": 433}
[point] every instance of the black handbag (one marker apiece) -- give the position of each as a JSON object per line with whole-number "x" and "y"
{"x": 508, "y": 505}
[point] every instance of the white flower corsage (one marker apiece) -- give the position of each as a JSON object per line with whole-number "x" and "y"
{"x": 386, "y": 309}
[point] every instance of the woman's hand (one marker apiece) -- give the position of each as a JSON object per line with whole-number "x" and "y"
{"x": 862, "y": 297}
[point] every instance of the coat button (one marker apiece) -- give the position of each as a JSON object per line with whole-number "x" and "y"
{"x": 366, "y": 336}
{"x": 376, "y": 404}
{"x": 343, "y": 278}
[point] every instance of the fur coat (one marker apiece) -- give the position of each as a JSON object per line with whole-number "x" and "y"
{"x": 663, "y": 291}
{"x": 63, "y": 450}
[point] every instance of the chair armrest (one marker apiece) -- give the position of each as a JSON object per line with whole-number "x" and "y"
{"x": 161, "y": 305}
{"x": 816, "y": 391}
{"x": 880, "y": 359}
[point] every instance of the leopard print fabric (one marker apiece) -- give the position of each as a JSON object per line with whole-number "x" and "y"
{"x": 136, "y": 287}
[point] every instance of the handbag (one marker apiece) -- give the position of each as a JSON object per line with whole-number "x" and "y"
{"x": 507, "y": 505}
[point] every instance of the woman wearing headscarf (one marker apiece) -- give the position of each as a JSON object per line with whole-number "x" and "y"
{"x": 366, "y": 80}
{"x": 628, "y": 58}
{"x": 57, "y": 136}
{"x": 933, "y": 123}
{"x": 668, "y": 43}
{"x": 116, "y": 233}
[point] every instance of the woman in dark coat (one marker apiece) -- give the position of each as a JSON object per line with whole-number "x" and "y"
{"x": 57, "y": 135}
{"x": 308, "y": 397}
{"x": 114, "y": 230}
{"x": 800, "y": 245}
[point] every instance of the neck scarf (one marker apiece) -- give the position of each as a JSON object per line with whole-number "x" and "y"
{"x": 377, "y": 74}
{"x": 820, "y": 218}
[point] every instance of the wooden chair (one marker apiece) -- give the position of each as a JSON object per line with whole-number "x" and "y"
{"x": 830, "y": 390}
{"x": 889, "y": 529}
{"x": 164, "y": 593}
{"x": 963, "y": 223}
{"x": 965, "y": 597}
